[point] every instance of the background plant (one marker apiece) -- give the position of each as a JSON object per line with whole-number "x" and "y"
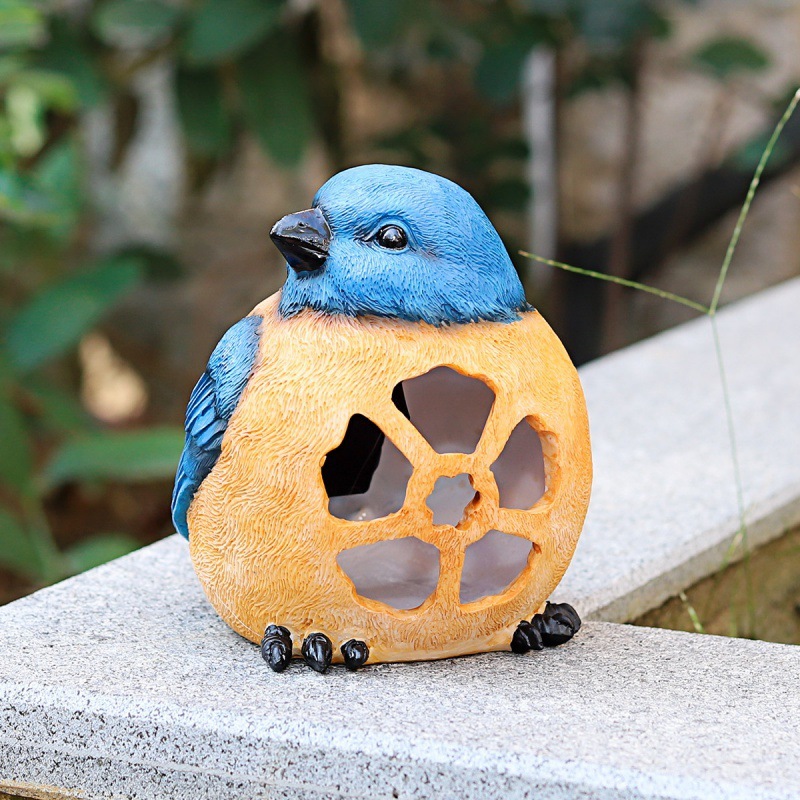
{"x": 294, "y": 77}
{"x": 739, "y": 546}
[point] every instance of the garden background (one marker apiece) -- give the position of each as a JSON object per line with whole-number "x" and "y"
{"x": 147, "y": 147}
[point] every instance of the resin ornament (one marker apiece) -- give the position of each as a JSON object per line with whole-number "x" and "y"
{"x": 387, "y": 460}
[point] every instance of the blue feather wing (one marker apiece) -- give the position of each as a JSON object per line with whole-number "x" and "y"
{"x": 212, "y": 402}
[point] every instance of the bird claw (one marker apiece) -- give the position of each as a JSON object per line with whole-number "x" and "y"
{"x": 557, "y": 624}
{"x": 355, "y": 654}
{"x": 276, "y": 647}
{"x": 560, "y": 622}
{"x": 526, "y": 637}
{"x": 317, "y": 650}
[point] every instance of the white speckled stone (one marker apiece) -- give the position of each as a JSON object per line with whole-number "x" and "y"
{"x": 663, "y": 510}
{"x": 123, "y": 683}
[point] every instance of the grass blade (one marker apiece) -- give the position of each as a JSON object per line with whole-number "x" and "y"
{"x": 604, "y": 276}
{"x": 741, "y": 537}
{"x": 693, "y": 616}
{"x": 751, "y": 192}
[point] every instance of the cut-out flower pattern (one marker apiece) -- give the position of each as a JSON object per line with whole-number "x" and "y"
{"x": 445, "y": 519}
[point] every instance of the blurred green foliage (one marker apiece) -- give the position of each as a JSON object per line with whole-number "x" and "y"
{"x": 728, "y": 55}
{"x": 54, "y": 293}
{"x": 268, "y": 68}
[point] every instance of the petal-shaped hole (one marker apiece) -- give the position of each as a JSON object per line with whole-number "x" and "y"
{"x": 366, "y": 476}
{"x": 519, "y": 469}
{"x": 492, "y": 564}
{"x": 402, "y": 573}
{"x": 449, "y": 409}
{"x": 449, "y": 499}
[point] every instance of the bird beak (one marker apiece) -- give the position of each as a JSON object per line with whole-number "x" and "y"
{"x": 303, "y": 238}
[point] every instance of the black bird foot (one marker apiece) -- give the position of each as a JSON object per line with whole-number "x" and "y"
{"x": 276, "y": 647}
{"x": 527, "y": 636}
{"x": 355, "y": 654}
{"x": 557, "y": 624}
{"x": 317, "y": 651}
{"x": 560, "y": 622}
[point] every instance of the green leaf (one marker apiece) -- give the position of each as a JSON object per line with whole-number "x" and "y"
{"x": 57, "y": 410}
{"x": 611, "y": 27}
{"x": 25, "y": 114}
{"x": 514, "y": 148}
{"x": 21, "y": 24}
{"x": 58, "y": 172}
{"x": 205, "y": 120}
{"x": 68, "y": 53}
{"x": 728, "y": 55}
{"x": 57, "y": 175}
{"x": 11, "y": 66}
{"x": 223, "y": 29}
{"x": 49, "y": 196}
{"x": 53, "y": 89}
{"x": 499, "y": 71}
{"x": 276, "y": 99}
{"x": 378, "y": 24}
{"x": 598, "y": 73}
{"x": 98, "y": 550}
{"x": 59, "y": 315}
{"x": 17, "y": 551}
{"x": 118, "y": 456}
{"x": 24, "y": 203}
{"x": 137, "y": 23}
{"x": 16, "y": 454}
{"x": 510, "y": 194}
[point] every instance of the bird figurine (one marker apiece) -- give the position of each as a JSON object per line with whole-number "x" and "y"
{"x": 388, "y": 459}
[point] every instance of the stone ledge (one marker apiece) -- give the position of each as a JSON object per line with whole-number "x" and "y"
{"x": 663, "y": 510}
{"x": 123, "y": 683}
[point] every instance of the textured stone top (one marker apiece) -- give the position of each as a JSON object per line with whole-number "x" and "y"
{"x": 123, "y": 683}
{"x": 663, "y": 509}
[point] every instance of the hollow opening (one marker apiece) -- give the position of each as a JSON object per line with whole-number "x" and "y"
{"x": 492, "y": 564}
{"x": 519, "y": 469}
{"x": 450, "y": 498}
{"x": 449, "y": 409}
{"x": 401, "y": 573}
{"x": 366, "y": 476}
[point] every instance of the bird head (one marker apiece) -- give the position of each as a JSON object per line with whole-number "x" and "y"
{"x": 397, "y": 242}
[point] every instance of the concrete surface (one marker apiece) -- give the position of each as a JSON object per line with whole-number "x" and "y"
{"x": 123, "y": 683}
{"x": 663, "y": 509}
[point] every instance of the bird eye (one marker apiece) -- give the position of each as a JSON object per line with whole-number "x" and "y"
{"x": 392, "y": 237}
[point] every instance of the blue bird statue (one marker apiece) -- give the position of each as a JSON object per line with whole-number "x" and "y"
{"x": 389, "y": 459}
